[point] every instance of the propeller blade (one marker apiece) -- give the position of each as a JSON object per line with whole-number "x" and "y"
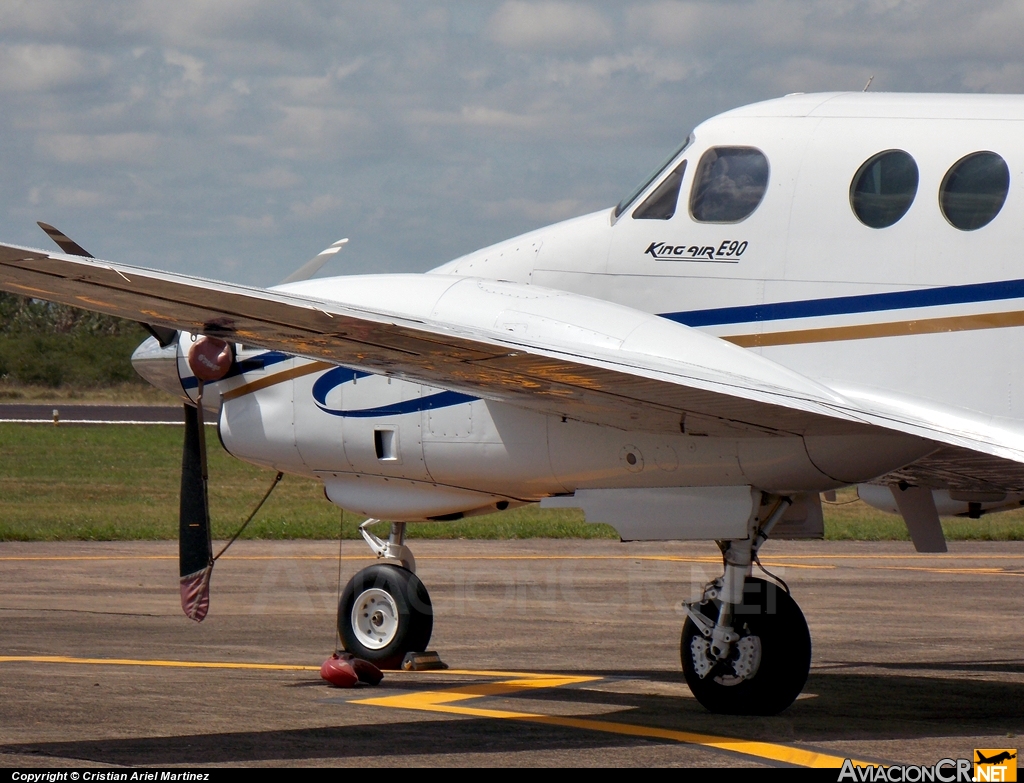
{"x": 311, "y": 267}
{"x": 163, "y": 334}
{"x": 195, "y": 548}
{"x": 64, "y": 242}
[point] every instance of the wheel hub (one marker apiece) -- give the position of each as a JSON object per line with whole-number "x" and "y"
{"x": 375, "y": 618}
{"x": 702, "y": 661}
{"x": 746, "y": 661}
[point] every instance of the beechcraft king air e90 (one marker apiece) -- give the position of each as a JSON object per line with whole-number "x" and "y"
{"x": 813, "y": 292}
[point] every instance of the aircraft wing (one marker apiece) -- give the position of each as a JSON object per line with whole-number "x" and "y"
{"x": 545, "y": 350}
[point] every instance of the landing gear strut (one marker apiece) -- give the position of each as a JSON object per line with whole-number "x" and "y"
{"x": 385, "y": 610}
{"x": 746, "y": 649}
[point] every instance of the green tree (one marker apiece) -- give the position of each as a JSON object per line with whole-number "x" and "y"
{"x": 49, "y": 344}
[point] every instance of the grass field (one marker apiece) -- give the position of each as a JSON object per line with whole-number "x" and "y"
{"x": 121, "y": 482}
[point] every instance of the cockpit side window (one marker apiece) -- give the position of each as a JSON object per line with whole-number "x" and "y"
{"x": 661, "y": 204}
{"x": 635, "y": 193}
{"x": 729, "y": 184}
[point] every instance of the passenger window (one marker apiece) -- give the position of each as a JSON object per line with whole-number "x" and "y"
{"x": 661, "y": 204}
{"x": 729, "y": 184}
{"x": 973, "y": 190}
{"x": 884, "y": 188}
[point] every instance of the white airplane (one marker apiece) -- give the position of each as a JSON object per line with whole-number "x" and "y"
{"x": 813, "y": 292}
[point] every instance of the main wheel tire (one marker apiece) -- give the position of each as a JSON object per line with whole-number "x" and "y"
{"x": 384, "y": 613}
{"x": 766, "y": 668}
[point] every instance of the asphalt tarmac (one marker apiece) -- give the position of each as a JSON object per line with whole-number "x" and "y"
{"x": 80, "y": 413}
{"x": 562, "y": 653}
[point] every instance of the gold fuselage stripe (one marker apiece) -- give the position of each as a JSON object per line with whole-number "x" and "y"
{"x": 958, "y": 323}
{"x": 272, "y": 380}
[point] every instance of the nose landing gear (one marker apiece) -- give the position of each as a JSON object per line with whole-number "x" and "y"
{"x": 385, "y": 610}
{"x": 746, "y": 649}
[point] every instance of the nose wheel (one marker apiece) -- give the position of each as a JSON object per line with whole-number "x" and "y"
{"x": 384, "y": 613}
{"x": 762, "y": 671}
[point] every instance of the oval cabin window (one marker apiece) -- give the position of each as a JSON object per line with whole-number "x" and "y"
{"x": 973, "y": 190}
{"x": 729, "y": 184}
{"x": 884, "y": 188}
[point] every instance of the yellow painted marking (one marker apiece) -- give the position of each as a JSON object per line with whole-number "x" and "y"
{"x": 937, "y": 570}
{"x": 764, "y": 750}
{"x": 491, "y": 673}
{"x": 451, "y": 702}
{"x": 958, "y": 323}
{"x": 557, "y": 678}
{"x": 768, "y": 561}
{"x": 273, "y": 380}
{"x": 171, "y": 664}
{"x": 908, "y": 556}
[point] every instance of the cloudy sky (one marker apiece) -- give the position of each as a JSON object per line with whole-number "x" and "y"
{"x": 237, "y": 138}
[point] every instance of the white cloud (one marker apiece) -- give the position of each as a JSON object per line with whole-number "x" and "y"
{"x": 79, "y": 199}
{"x": 304, "y": 88}
{"x": 272, "y": 178}
{"x": 39, "y": 67}
{"x": 539, "y": 212}
{"x": 430, "y": 130}
{"x": 139, "y": 148}
{"x": 342, "y": 72}
{"x": 315, "y": 207}
{"x": 557, "y": 26}
{"x": 310, "y": 132}
{"x": 655, "y": 66}
{"x": 246, "y": 224}
{"x": 191, "y": 67}
{"x": 488, "y": 117}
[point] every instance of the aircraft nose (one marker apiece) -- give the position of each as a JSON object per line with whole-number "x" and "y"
{"x": 158, "y": 365}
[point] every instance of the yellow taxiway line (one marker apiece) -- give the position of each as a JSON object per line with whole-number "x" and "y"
{"x": 783, "y": 561}
{"x": 452, "y": 701}
{"x": 171, "y": 664}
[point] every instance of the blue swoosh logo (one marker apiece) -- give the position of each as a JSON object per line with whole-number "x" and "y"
{"x": 332, "y": 379}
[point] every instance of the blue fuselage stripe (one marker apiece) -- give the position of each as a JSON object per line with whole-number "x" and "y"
{"x": 847, "y": 305}
{"x": 258, "y": 362}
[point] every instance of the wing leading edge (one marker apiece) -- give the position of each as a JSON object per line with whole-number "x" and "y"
{"x": 548, "y": 351}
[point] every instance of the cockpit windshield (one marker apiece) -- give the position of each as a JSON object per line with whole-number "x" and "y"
{"x": 624, "y": 204}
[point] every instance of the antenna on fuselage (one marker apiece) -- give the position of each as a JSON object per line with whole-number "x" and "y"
{"x": 871, "y": 78}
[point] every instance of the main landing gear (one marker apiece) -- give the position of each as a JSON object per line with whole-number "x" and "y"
{"x": 385, "y": 610}
{"x": 746, "y": 649}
